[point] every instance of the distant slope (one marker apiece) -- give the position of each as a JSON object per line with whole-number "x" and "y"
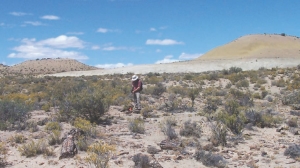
{"x": 257, "y": 46}
{"x": 49, "y": 66}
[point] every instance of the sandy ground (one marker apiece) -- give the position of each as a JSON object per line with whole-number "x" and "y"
{"x": 194, "y": 66}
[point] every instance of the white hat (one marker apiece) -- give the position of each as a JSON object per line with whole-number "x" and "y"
{"x": 134, "y": 78}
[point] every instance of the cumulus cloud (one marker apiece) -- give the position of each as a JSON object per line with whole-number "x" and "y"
{"x": 167, "y": 59}
{"x": 104, "y": 30}
{"x": 157, "y": 50}
{"x": 162, "y": 42}
{"x": 50, "y": 17}
{"x": 49, "y": 48}
{"x": 95, "y": 47}
{"x": 63, "y": 41}
{"x": 2, "y": 24}
{"x": 109, "y": 66}
{"x": 33, "y": 23}
{"x": 19, "y": 13}
{"x": 185, "y": 56}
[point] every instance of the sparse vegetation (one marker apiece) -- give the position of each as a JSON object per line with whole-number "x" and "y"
{"x": 99, "y": 154}
{"x": 136, "y": 125}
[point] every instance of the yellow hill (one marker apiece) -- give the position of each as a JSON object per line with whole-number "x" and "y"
{"x": 257, "y": 46}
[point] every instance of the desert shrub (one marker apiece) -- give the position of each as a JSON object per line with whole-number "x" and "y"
{"x": 219, "y": 133}
{"x": 99, "y": 154}
{"x": 46, "y": 107}
{"x": 168, "y": 130}
{"x": 159, "y": 89}
{"x": 235, "y": 70}
{"x": 292, "y": 122}
{"x": 256, "y": 95}
{"x": 191, "y": 129}
{"x": 211, "y": 105}
{"x": 153, "y": 80}
{"x": 178, "y": 90}
{"x": 146, "y": 111}
{"x": 268, "y": 120}
{"x": 212, "y": 76}
{"x": 292, "y": 151}
{"x": 32, "y": 126}
{"x": 89, "y": 104}
{"x": 50, "y": 126}
{"x": 292, "y": 98}
{"x": 141, "y": 161}
{"x": 152, "y": 150}
{"x": 235, "y": 122}
{"x": 188, "y": 77}
{"x": 35, "y": 148}
{"x": 54, "y": 137}
{"x": 136, "y": 125}
{"x": 209, "y": 159}
{"x": 279, "y": 83}
{"x": 193, "y": 93}
{"x": 242, "y": 83}
{"x": 235, "y": 77}
{"x": 13, "y": 111}
{"x": 244, "y": 99}
{"x": 86, "y": 126}
{"x": 264, "y": 93}
{"x": 253, "y": 117}
{"x": 210, "y": 91}
{"x": 3, "y": 152}
{"x": 295, "y": 113}
{"x": 82, "y": 143}
{"x": 18, "y": 138}
{"x": 170, "y": 121}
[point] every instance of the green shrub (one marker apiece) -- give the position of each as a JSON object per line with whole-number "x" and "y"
{"x": 209, "y": 159}
{"x": 191, "y": 129}
{"x": 18, "y": 138}
{"x": 86, "y": 126}
{"x": 3, "y": 152}
{"x": 141, "y": 161}
{"x": 234, "y": 122}
{"x": 292, "y": 151}
{"x": 159, "y": 89}
{"x": 235, "y": 70}
{"x": 136, "y": 125}
{"x": 54, "y": 137}
{"x": 168, "y": 130}
{"x": 279, "y": 83}
{"x": 35, "y": 148}
{"x": 88, "y": 104}
{"x": 50, "y": 126}
{"x": 99, "y": 154}
{"x": 219, "y": 133}
{"x": 242, "y": 83}
{"x": 12, "y": 111}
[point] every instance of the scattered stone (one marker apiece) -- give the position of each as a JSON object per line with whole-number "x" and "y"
{"x": 170, "y": 144}
{"x": 69, "y": 148}
{"x": 263, "y": 153}
{"x": 123, "y": 153}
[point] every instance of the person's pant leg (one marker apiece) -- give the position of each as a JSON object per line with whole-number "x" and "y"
{"x": 138, "y": 100}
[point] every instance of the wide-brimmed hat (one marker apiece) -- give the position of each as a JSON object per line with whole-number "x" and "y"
{"x": 134, "y": 78}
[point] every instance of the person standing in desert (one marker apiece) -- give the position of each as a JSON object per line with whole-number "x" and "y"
{"x": 137, "y": 87}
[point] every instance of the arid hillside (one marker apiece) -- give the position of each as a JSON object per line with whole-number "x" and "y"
{"x": 48, "y": 66}
{"x": 257, "y": 46}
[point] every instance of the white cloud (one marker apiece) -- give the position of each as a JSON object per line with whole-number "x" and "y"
{"x": 118, "y": 65}
{"x": 185, "y": 56}
{"x": 112, "y": 48}
{"x": 63, "y": 41}
{"x": 19, "y": 13}
{"x": 158, "y": 50}
{"x": 50, "y": 17}
{"x": 49, "y": 48}
{"x": 152, "y": 29}
{"x": 36, "y": 23}
{"x": 76, "y": 33}
{"x": 167, "y": 59}
{"x": 104, "y": 30}
{"x": 162, "y": 42}
{"x": 2, "y": 24}
{"x": 95, "y": 47}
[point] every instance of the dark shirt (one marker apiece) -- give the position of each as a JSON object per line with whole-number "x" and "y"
{"x": 136, "y": 84}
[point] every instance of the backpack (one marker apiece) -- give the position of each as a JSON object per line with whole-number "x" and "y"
{"x": 141, "y": 86}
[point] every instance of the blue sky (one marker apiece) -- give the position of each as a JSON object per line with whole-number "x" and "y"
{"x": 113, "y": 33}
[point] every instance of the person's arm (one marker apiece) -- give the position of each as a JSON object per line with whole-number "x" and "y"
{"x": 138, "y": 88}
